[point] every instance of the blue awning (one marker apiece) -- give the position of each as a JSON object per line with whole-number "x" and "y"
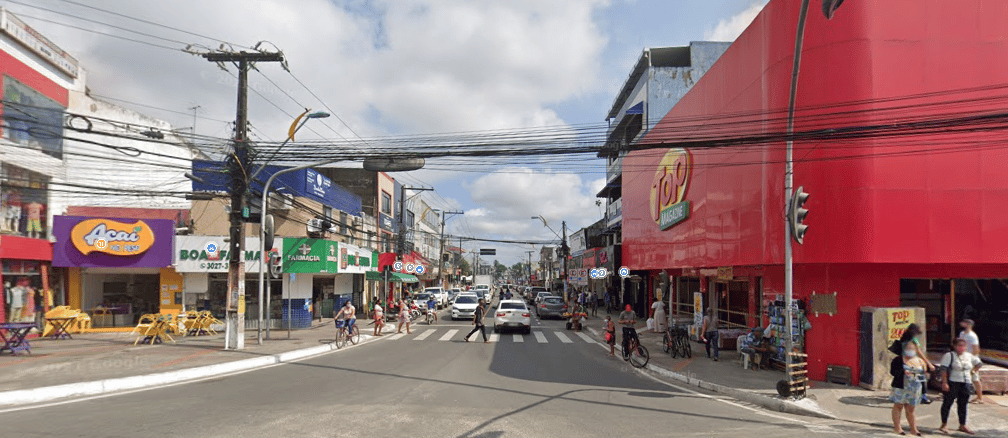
{"x": 636, "y": 109}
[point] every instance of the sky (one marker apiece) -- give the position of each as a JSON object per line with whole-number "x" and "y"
{"x": 398, "y": 67}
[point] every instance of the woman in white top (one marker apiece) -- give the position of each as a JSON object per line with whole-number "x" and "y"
{"x": 957, "y": 366}
{"x": 972, "y": 346}
{"x": 660, "y": 318}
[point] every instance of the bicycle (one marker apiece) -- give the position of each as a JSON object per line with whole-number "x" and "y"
{"x": 676, "y": 341}
{"x": 636, "y": 353}
{"x": 343, "y": 335}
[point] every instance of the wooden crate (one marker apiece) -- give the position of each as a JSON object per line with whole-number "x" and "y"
{"x": 994, "y": 379}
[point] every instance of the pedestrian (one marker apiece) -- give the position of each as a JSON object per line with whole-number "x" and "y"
{"x": 911, "y": 334}
{"x": 594, "y": 303}
{"x": 908, "y": 383}
{"x": 478, "y": 322}
{"x": 608, "y": 301}
{"x": 610, "y": 335}
{"x": 379, "y": 318}
{"x": 404, "y": 316}
{"x": 972, "y": 346}
{"x": 710, "y": 334}
{"x": 659, "y": 315}
{"x": 957, "y": 367}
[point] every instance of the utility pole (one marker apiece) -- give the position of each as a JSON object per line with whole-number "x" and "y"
{"x": 238, "y": 165}
{"x": 565, "y": 250}
{"x": 444, "y": 218}
{"x": 530, "y": 266}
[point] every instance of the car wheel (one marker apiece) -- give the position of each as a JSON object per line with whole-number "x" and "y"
{"x": 528, "y": 330}
{"x": 496, "y": 329}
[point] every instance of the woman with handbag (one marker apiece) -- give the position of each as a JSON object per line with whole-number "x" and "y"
{"x": 610, "y": 335}
{"x": 957, "y": 365}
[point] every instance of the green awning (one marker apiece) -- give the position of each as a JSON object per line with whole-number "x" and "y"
{"x": 394, "y": 277}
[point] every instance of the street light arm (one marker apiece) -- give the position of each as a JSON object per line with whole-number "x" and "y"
{"x": 547, "y": 226}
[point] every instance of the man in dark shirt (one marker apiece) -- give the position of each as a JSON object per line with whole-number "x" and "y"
{"x": 478, "y": 322}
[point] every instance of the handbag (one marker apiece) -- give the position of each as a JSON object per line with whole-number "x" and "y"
{"x": 608, "y": 336}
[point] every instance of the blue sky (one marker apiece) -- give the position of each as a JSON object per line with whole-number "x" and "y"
{"x": 400, "y": 67}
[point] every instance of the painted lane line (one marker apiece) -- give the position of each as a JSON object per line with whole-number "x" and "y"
{"x": 397, "y": 336}
{"x": 585, "y": 337}
{"x": 424, "y": 335}
{"x": 449, "y": 335}
{"x": 517, "y": 338}
{"x": 563, "y": 337}
{"x": 494, "y": 337}
{"x": 540, "y": 337}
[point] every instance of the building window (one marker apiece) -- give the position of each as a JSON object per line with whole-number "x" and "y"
{"x": 32, "y": 119}
{"x": 386, "y": 203}
{"x": 24, "y": 197}
{"x": 343, "y": 223}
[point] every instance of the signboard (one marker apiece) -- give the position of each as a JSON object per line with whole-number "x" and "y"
{"x": 314, "y": 256}
{"x": 725, "y": 273}
{"x": 34, "y": 41}
{"x": 317, "y": 184}
{"x": 698, "y": 309}
{"x": 385, "y": 222}
{"x": 356, "y": 260}
{"x": 668, "y": 188}
{"x": 90, "y": 242}
{"x": 193, "y": 254}
{"x": 577, "y": 243}
{"x": 488, "y": 251}
{"x": 899, "y": 320}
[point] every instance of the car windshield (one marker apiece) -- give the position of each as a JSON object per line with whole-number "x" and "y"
{"x": 553, "y": 301}
{"x": 465, "y": 299}
{"x": 432, "y": 291}
{"x": 421, "y": 297}
{"x": 512, "y": 306}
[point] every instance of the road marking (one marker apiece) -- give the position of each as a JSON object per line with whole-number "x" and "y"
{"x": 424, "y": 335}
{"x": 448, "y": 336}
{"x": 494, "y": 337}
{"x": 585, "y": 337}
{"x": 563, "y": 337}
{"x": 397, "y": 336}
{"x": 540, "y": 337}
{"x": 517, "y": 337}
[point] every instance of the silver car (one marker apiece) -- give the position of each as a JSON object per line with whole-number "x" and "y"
{"x": 464, "y": 306}
{"x": 513, "y": 314}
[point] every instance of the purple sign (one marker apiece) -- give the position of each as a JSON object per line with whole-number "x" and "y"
{"x": 109, "y": 234}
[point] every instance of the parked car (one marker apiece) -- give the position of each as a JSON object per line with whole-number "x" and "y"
{"x": 452, "y": 294}
{"x": 440, "y": 295}
{"x": 464, "y": 306}
{"x": 551, "y": 307}
{"x": 544, "y": 295}
{"x": 513, "y": 314}
{"x": 533, "y": 292}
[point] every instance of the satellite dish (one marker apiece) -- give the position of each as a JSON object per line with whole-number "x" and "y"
{"x": 393, "y": 164}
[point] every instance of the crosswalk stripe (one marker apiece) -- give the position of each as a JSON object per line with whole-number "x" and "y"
{"x": 424, "y": 335}
{"x": 448, "y": 336}
{"x": 540, "y": 337}
{"x": 494, "y": 337}
{"x": 585, "y": 337}
{"x": 397, "y": 336}
{"x": 517, "y": 337}
{"x": 563, "y": 337}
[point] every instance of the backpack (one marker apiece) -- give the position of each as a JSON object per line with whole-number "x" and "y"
{"x": 896, "y": 366}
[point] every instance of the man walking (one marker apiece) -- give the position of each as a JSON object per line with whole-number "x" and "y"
{"x": 973, "y": 347}
{"x": 478, "y": 322}
{"x": 594, "y": 303}
{"x": 710, "y": 333}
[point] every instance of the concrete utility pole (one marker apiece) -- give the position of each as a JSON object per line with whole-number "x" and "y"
{"x": 238, "y": 165}
{"x": 440, "y": 270}
{"x": 565, "y": 250}
{"x": 530, "y": 266}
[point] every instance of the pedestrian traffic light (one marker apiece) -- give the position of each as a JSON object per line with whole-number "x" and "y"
{"x": 275, "y": 264}
{"x": 797, "y": 213}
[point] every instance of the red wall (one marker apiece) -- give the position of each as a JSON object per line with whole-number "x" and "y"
{"x": 925, "y": 208}
{"x": 875, "y": 216}
{"x": 11, "y": 66}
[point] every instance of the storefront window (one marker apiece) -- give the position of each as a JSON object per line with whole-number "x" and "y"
{"x": 216, "y": 298}
{"x": 26, "y": 293}
{"x": 32, "y": 119}
{"x": 24, "y": 197}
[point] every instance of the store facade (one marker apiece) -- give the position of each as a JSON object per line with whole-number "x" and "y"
{"x": 886, "y": 230}
{"x": 117, "y": 268}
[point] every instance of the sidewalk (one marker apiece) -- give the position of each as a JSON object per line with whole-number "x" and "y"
{"x": 102, "y": 362}
{"x": 825, "y": 400}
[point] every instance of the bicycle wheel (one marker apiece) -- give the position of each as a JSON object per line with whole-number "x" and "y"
{"x": 687, "y": 349}
{"x": 354, "y": 336}
{"x": 639, "y": 357}
{"x": 666, "y": 342}
{"x": 340, "y": 337}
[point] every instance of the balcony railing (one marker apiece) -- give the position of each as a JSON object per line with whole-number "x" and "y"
{"x": 614, "y": 169}
{"x": 614, "y": 212}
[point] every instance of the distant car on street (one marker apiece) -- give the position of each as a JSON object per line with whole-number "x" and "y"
{"x": 551, "y": 307}
{"x": 513, "y": 314}
{"x": 452, "y": 294}
{"x": 440, "y": 295}
{"x": 533, "y": 292}
{"x": 464, "y": 306}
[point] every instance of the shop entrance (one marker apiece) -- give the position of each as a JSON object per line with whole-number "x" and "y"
{"x": 733, "y": 303}
{"x": 985, "y": 301}
{"x": 935, "y": 296}
{"x": 683, "y": 301}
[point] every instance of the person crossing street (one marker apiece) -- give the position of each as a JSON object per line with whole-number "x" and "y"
{"x": 478, "y": 322}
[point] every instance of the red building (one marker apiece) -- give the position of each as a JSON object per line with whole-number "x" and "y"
{"x": 895, "y": 220}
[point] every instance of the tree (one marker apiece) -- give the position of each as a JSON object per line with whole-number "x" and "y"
{"x": 499, "y": 269}
{"x": 466, "y": 268}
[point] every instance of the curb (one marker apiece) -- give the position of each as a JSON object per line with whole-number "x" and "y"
{"x": 770, "y": 403}
{"x": 21, "y": 397}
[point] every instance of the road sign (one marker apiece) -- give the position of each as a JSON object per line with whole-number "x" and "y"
{"x": 488, "y": 251}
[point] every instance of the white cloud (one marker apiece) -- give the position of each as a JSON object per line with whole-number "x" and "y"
{"x": 730, "y": 28}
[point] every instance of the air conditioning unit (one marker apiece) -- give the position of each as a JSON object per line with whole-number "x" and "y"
{"x": 357, "y": 221}
{"x": 315, "y": 226}
{"x": 279, "y": 201}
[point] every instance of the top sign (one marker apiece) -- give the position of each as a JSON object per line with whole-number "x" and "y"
{"x": 668, "y": 189}
{"x": 34, "y": 41}
{"x": 111, "y": 237}
{"x": 317, "y": 184}
{"x": 488, "y": 251}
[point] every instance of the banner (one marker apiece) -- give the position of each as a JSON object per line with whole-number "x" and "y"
{"x": 898, "y": 320}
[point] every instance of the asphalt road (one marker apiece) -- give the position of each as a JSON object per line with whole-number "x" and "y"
{"x": 433, "y": 385}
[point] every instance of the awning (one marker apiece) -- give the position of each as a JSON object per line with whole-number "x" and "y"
{"x": 610, "y": 189}
{"x": 636, "y": 109}
{"x": 394, "y": 277}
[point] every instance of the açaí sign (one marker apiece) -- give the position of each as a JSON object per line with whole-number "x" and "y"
{"x": 668, "y": 189}
{"x": 112, "y": 237}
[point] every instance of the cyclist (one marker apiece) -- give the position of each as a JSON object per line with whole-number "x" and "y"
{"x": 347, "y": 314}
{"x": 628, "y": 319}
{"x": 432, "y": 307}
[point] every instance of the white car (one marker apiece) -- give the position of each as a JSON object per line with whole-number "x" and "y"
{"x": 513, "y": 314}
{"x": 440, "y": 295}
{"x": 464, "y": 306}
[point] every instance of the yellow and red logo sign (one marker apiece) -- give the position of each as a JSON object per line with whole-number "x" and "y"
{"x": 111, "y": 237}
{"x": 668, "y": 189}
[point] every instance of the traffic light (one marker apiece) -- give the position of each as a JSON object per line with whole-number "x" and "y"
{"x": 275, "y": 264}
{"x": 797, "y": 213}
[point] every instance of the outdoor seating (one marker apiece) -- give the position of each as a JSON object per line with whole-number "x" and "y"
{"x": 153, "y": 329}
{"x": 200, "y": 323}
{"x": 13, "y": 335}
{"x": 58, "y": 322}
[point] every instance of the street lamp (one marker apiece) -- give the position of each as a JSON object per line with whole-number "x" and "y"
{"x": 829, "y": 8}
{"x": 294, "y": 128}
